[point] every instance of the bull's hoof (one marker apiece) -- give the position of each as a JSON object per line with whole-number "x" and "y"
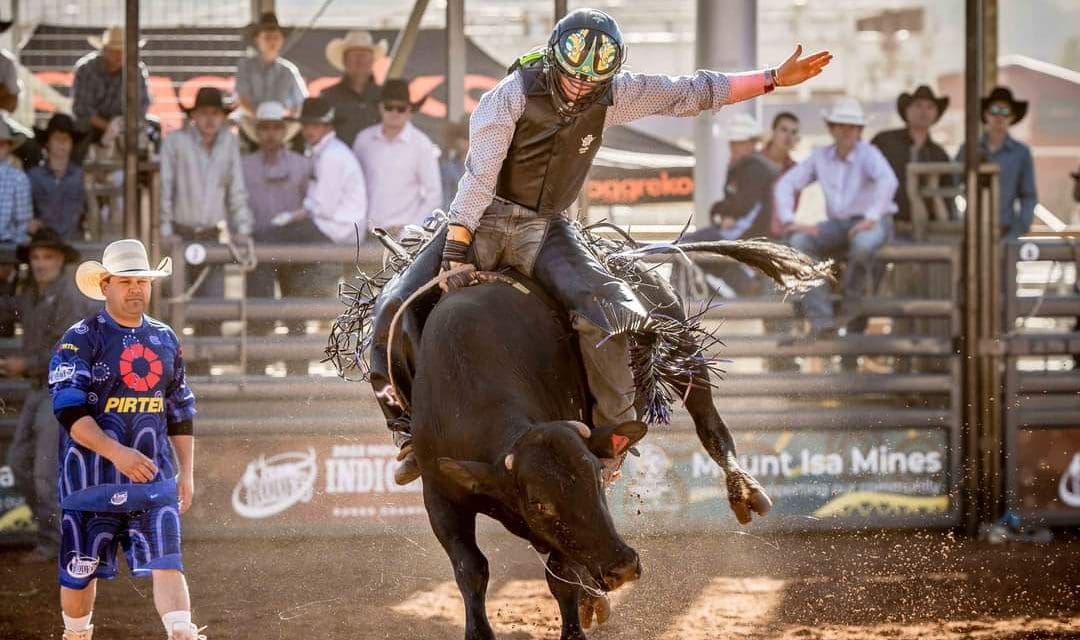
{"x": 598, "y": 606}
{"x": 408, "y": 471}
{"x": 746, "y": 496}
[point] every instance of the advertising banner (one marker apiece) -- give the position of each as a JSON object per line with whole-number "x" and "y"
{"x": 1048, "y": 470}
{"x": 14, "y": 513}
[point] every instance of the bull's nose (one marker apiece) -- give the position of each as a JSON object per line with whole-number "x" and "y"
{"x": 623, "y": 573}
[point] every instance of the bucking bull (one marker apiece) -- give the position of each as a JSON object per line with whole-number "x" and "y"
{"x": 499, "y": 406}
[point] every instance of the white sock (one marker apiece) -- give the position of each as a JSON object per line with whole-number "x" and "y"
{"x": 77, "y": 624}
{"x": 173, "y": 618}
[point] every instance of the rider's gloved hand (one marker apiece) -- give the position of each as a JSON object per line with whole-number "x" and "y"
{"x": 455, "y": 254}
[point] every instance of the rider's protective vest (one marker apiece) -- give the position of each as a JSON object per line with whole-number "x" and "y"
{"x": 550, "y": 154}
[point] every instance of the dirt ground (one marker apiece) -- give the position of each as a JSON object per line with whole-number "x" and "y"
{"x": 822, "y": 586}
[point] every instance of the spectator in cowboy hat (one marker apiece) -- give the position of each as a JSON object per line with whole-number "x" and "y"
{"x": 859, "y": 187}
{"x": 1000, "y": 110}
{"x": 57, "y": 184}
{"x": 265, "y": 75}
{"x": 400, "y": 163}
{"x": 202, "y": 189}
{"x": 16, "y": 206}
{"x": 919, "y": 111}
{"x": 277, "y": 181}
{"x": 98, "y": 88}
{"x": 48, "y": 304}
{"x": 336, "y": 195}
{"x": 355, "y": 98}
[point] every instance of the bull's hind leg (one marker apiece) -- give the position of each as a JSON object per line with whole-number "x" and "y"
{"x": 456, "y": 531}
{"x": 745, "y": 495}
{"x": 563, "y": 577}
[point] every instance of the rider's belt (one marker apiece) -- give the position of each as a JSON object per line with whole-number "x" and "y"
{"x": 506, "y": 207}
{"x": 196, "y": 233}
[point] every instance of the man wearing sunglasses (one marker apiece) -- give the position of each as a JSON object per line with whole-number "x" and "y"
{"x": 1017, "y": 178}
{"x": 533, "y": 138}
{"x": 400, "y": 163}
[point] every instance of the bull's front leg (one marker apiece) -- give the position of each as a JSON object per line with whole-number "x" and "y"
{"x": 563, "y": 577}
{"x": 745, "y": 495}
{"x": 456, "y": 531}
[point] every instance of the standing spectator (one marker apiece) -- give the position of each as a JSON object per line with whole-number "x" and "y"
{"x": 98, "y": 88}
{"x": 16, "y": 206}
{"x": 919, "y": 111}
{"x": 202, "y": 189}
{"x": 336, "y": 196}
{"x": 276, "y": 180}
{"x": 859, "y": 187}
{"x": 1017, "y": 177}
{"x": 400, "y": 163}
{"x": 57, "y": 185}
{"x": 46, "y": 307}
{"x": 119, "y": 389}
{"x": 355, "y": 99}
{"x": 9, "y": 285}
{"x": 452, "y": 160}
{"x": 265, "y": 75}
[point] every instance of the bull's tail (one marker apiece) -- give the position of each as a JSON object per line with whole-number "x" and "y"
{"x": 793, "y": 270}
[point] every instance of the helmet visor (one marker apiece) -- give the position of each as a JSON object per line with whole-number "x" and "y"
{"x": 588, "y": 54}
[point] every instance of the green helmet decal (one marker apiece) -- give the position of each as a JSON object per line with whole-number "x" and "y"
{"x": 588, "y": 54}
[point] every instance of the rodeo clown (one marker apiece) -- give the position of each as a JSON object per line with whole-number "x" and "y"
{"x": 533, "y": 138}
{"x": 118, "y": 388}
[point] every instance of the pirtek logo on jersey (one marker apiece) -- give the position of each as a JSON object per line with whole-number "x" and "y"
{"x": 134, "y": 405}
{"x": 145, "y": 377}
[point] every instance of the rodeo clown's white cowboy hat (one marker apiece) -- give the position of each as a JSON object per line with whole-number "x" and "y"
{"x": 743, "y": 127}
{"x": 112, "y": 38}
{"x": 846, "y": 111}
{"x": 121, "y": 258}
{"x": 336, "y": 48}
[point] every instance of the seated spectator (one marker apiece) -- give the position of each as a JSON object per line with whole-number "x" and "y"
{"x": 202, "y": 190}
{"x": 859, "y": 187}
{"x": 98, "y": 88}
{"x": 355, "y": 99}
{"x": 266, "y": 76}
{"x": 919, "y": 111}
{"x": 48, "y": 305}
{"x": 277, "y": 180}
{"x": 400, "y": 163}
{"x": 57, "y": 185}
{"x": 9, "y": 280}
{"x": 1017, "y": 170}
{"x": 16, "y": 206}
{"x": 452, "y": 160}
{"x": 336, "y": 195}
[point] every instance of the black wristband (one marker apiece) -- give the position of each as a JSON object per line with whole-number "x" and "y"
{"x": 455, "y": 251}
{"x": 182, "y": 428}
{"x": 68, "y": 416}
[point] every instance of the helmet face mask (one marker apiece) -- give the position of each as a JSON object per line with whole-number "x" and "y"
{"x": 584, "y": 54}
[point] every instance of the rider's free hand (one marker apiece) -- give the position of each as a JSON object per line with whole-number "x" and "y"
{"x": 795, "y": 71}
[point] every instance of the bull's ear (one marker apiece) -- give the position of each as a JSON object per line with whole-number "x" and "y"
{"x": 474, "y": 477}
{"x": 608, "y": 442}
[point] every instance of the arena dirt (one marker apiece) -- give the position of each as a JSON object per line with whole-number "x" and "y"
{"x": 726, "y": 585}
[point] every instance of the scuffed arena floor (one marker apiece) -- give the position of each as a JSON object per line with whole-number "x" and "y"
{"x": 814, "y": 587}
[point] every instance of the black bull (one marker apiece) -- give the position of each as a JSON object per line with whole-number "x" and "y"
{"x": 497, "y": 398}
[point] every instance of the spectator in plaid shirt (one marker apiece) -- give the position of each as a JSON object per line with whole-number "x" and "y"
{"x": 16, "y": 209}
{"x": 98, "y": 89}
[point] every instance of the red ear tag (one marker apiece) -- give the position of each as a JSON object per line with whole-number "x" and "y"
{"x": 619, "y": 443}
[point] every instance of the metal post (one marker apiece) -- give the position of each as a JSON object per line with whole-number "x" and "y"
{"x": 725, "y": 39}
{"x": 990, "y": 45}
{"x": 131, "y": 119}
{"x": 455, "y": 60}
{"x": 403, "y": 45}
{"x": 560, "y": 9}
{"x": 971, "y": 300}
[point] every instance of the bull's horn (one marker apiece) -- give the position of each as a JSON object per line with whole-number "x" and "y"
{"x": 582, "y": 429}
{"x": 509, "y": 462}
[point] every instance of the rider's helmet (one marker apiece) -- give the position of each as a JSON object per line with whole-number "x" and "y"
{"x": 587, "y": 48}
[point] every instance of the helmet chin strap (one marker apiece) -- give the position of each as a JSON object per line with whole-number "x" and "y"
{"x": 562, "y": 103}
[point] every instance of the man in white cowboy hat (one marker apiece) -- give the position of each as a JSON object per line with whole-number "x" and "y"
{"x": 119, "y": 390}
{"x": 859, "y": 186}
{"x": 277, "y": 180}
{"x": 266, "y": 75}
{"x": 16, "y": 206}
{"x": 355, "y": 98}
{"x": 98, "y": 88}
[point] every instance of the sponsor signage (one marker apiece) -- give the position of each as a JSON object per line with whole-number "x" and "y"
{"x": 1048, "y": 470}
{"x": 640, "y": 186}
{"x": 14, "y": 512}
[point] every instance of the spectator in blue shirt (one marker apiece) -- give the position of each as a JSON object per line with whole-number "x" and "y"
{"x": 16, "y": 209}
{"x": 1017, "y": 176}
{"x": 452, "y": 161}
{"x": 57, "y": 184}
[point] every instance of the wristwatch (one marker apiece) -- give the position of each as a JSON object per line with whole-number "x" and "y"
{"x": 770, "y": 80}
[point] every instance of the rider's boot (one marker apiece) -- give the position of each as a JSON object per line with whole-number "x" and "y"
{"x": 409, "y": 469}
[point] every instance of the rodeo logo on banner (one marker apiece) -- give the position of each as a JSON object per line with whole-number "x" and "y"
{"x": 272, "y": 484}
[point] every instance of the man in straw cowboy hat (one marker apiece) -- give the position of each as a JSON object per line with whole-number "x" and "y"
{"x": 47, "y": 305}
{"x": 1000, "y": 111}
{"x": 919, "y": 111}
{"x": 859, "y": 186}
{"x": 16, "y": 206}
{"x": 98, "y": 88}
{"x": 355, "y": 98}
{"x": 57, "y": 184}
{"x": 119, "y": 389}
{"x": 266, "y": 75}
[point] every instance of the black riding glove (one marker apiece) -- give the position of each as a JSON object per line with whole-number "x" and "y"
{"x": 455, "y": 254}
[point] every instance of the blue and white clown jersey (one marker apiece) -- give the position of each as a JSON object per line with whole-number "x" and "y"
{"x": 132, "y": 382}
